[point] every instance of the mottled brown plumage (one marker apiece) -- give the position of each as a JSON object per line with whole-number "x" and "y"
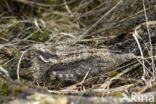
{"x": 71, "y": 63}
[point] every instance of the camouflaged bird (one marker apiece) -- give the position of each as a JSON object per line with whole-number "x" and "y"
{"x": 71, "y": 63}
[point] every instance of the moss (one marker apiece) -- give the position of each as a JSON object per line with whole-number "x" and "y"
{"x": 118, "y": 94}
{"x": 4, "y": 87}
{"x": 19, "y": 89}
{"x": 113, "y": 73}
{"x": 40, "y": 36}
{"x": 115, "y": 93}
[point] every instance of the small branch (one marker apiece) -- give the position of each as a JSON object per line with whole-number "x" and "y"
{"x": 4, "y": 71}
{"x": 19, "y": 62}
{"x": 135, "y": 34}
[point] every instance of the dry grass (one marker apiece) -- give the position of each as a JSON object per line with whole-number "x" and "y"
{"x": 95, "y": 23}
